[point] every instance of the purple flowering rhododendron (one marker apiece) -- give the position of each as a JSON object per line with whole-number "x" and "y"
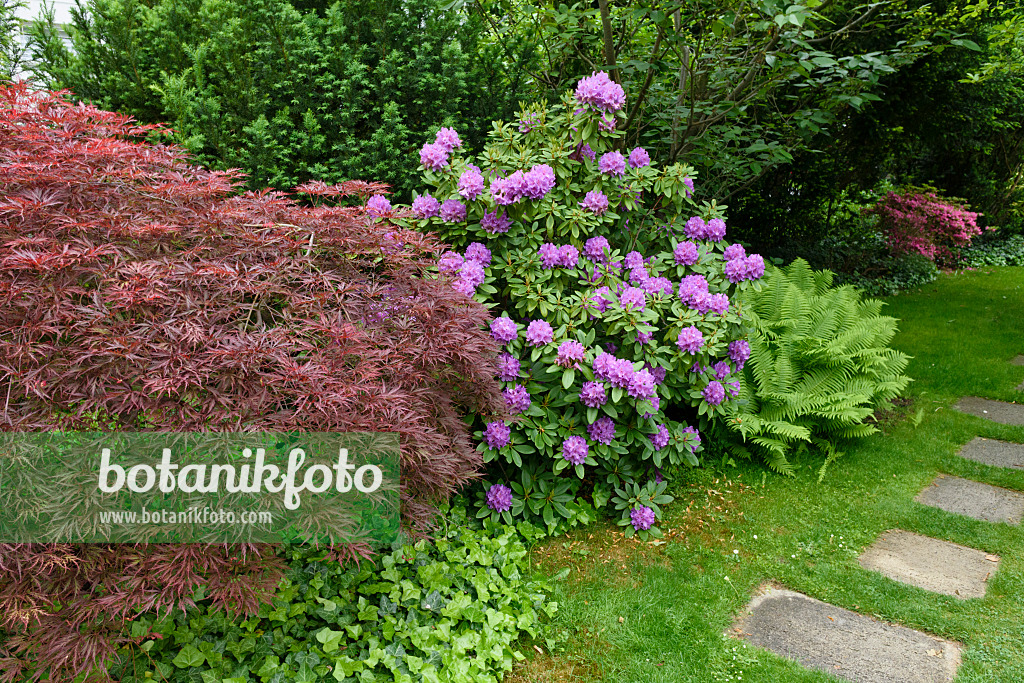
{"x": 593, "y": 394}
{"x": 570, "y": 352}
{"x": 596, "y": 249}
{"x": 734, "y": 251}
{"x": 499, "y": 498}
{"x": 719, "y": 303}
{"x": 641, "y": 384}
{"x": 613, "y": 164}
{"x": 504, "y": 330}
{"x": 693, "y": 438}
{"x": 721, "y": 369}
{"x": 642, "y": 517}
{"x": 660, "y": 438}
{"x": 595, "y": 202}
{"x": 715, "y": 230}
{"x": 450, "y": 262}
{"x": 739, "y": 352}
{"x": 621, "y": 373}
{"x": 601, "y": 92}
{"x": 644, "y": 337}
{"x": 434, "y": 157}
{"x": 688, "y": 182}
{"x": 602, "y": 430}
{"x": 695, "y": 228}
{"x": 686, "y": 253}
{"x": 575, "y": 449}
{"x": 448, "y": 139}
{"x": 453, "y": 211}
{"x": 568, "y": 256}
{"x": 633, "y": 259}
{"x": 714, "y": 392}
{"x": 471, "y": 183}
{"x": 549, "y": 255}
{"x": 690, "y": 340}
{"x": 537, "y": 182}
{"x": 602, "y": 365}
{"x": 378, "y": 205}
{"x": 517, "y": 398}
{"x": 497, "y": 435}
{"x": 479, "y": 253}
{"x": 508, "y": 367}
{"x": 426, "y": 206}
{"x": 639, "y": 158}
{"x": 633, "y": 299}
{"x": 496, "y": 222}
{"x": 538, "y": 333}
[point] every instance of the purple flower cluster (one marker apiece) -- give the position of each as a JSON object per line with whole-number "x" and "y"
{"x": 693, "y": 291}
{"x": 504, "y": 330}
{"x": 499, "y": 498}
{"x": 633, "y": 299}
{"x": 453, "y": 211}
{"x": 600, "y": 303}
{"x": 517, "y": 398}
{"x": 734, "y": 251}
{"x": 633, "y": 259}
{"x": 479, "y": 253}
{"x": 593, "y": 395}
{"x": 471, "y": 183}
{"x": 639, "y": 158}
{"x": 528, "y": 122}
{"x": 749, "y": 268}
{"x": 721, "y": 369}
{"x": 538, "y": 333}
{"x": 549, "y": 255}
{"x": 378, "y": 205}
{"x": 714, "y": 392}
{"x": 448, "y": 139}
{"x": 688, "y": 183}
{"x": 686, "y": 253}
{"x": 570, "y": 352}
{"x": 658, "y": 285}
{"x": 425, "y": 206}
{"x": 575, "y": 449}
{"x": 532, "y": 184}
{"x": 615, "y": 370}
{"x": 690, "y": 340}
{"x": 497, "y": 434}
{"x": 508, "y": 367}
{"x": 715, "y": 230}
{"x": 602, "y": 431}
{"x": 719, "y": 303}
{"x": 695, "y": 228}
{"x": 642, "y": 517}
{"x": 693, "y": 438}
{"x": 660, "y": 438}
{"x": 450, "y": 262}
{"x": 471, "y": 276}
{"x": 739, "y": 352}
{"x": 495, "y": 222}
{"x": 641, "y": 385}
{"x": 601, "y": 92}
{"x": 434, "y": 156}
{"x": 595, "y": 202}
{"x": 612, "y": 163}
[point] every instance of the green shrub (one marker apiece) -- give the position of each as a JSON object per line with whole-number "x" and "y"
{"x": 994, "y": 249}
{"x": 443, "y": 610}
{"x": 287, "y": 96}
{"x": 819, "y": 365}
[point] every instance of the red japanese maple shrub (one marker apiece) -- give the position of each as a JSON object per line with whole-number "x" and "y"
{"x": 919, "y": 221}
{"x": 138, "y": 292}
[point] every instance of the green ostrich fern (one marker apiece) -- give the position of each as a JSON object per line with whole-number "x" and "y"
{"x": 820, "y": 363}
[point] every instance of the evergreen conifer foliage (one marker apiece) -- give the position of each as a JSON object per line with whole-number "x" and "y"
{"x": 820, "y": 364}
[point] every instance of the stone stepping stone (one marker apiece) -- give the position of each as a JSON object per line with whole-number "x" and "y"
{"x": 931, "y": 564}
{"x": 973, "y": 499}
{"x": 995, "y": 453}
{"x": 843, "y": 643}
{"x": 997, "y": 411}
{"x": 1017, "y": 360}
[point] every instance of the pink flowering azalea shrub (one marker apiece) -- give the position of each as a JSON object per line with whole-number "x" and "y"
{"x": 917, "y": 221}
{"x": 614, "y": 302}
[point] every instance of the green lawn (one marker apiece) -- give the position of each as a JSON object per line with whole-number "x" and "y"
{"x": 634, "y": 612}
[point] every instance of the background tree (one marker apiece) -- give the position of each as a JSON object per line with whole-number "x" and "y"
{"x": 326, "y": 93}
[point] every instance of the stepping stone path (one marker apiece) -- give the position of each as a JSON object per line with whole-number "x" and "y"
{"x": 825, "y": 637}
{"x": 1017, "y": 360}
{"x": 995, "y": 453}
{"x": 973, "y": 499}
{"x": 997, "y": 411}
{"x": 931, "y": 564}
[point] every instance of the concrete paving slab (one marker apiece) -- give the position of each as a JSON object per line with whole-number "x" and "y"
{"x": 1017, "y": 360}
{"x": 931, "y": 564}
{"x": 1020, "y": 387}
{"x": 995, "y": 453}
{"x": 997, "y": 411}
{"x": 846, "y": 644}
{"x": 973, "y": 499}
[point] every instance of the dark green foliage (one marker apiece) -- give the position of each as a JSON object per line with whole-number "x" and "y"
{"x": 820, "y": 364}
{"x": 994, "y": 249}
{"x": 443, "y": 610}
{"x": 331, "y": 93}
